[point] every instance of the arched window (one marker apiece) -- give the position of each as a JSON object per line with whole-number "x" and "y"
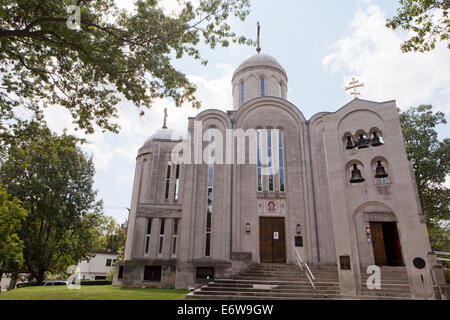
{"x": 281, "y": 89}
{"x": 242, "y": 92}
{"x": 269, "y": 155}
{"x": 209, "y": 208}
{"x": 281, "y": 161}
{"x": 263, "y": 87}
{"x": 259, "y": 165}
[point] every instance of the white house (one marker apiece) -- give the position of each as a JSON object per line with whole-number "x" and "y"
{"x": 98, "y": 266}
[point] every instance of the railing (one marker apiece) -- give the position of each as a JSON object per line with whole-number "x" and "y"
{"x": 444, "y": 261}
{"x": 304, "y": 267}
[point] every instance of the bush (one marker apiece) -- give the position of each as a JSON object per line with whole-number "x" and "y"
{"x": 26, "y": 284}
{"x": 96, "y": 283}
{"x": 447, "y": 275}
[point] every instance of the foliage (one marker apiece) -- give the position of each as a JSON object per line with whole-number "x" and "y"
{"x": 11, "y": 217}
{"x": 114, "y": 235}
{"x": 54, "y": 180}
{"x": 431, "y": 161}
{"x": 427, "y": 19}
{"x": 114, "y": 54}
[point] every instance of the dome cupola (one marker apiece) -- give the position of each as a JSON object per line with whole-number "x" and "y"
{"x": 258, "y": 76}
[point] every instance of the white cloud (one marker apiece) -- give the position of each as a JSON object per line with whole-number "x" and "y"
{"x": 372, "y": 53}
{"x": 170, "y": 7}
{"x": 135, "y": 129}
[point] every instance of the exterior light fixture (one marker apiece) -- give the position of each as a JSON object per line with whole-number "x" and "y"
{"x": 299, "y": 229}
{"x": 247, "y": 227}
{"x": 368, "y": 231}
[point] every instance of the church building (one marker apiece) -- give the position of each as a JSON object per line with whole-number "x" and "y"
{"x": 342, "y": 195}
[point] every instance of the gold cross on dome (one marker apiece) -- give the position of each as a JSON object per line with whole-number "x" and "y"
{"x": 353, "y": 85}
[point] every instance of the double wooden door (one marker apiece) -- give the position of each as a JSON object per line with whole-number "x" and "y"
{"x": 272, "y": 240}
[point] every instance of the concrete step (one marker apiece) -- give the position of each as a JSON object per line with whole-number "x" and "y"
{"x": 273, "y": 287}
{"x": 273, "y": 281}
{"x": 276, "y": 290}
{"x": 270, "y": 282}
{"x": 265, "y": 295}
{"x": 232, "y": 297}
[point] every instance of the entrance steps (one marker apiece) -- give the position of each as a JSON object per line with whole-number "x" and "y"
{"x": 394, "y": 284}
{"x": 272, "y": 282}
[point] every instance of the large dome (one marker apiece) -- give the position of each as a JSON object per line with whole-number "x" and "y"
{"x": 260, "y": 60}
{"x": 163, "y": 134}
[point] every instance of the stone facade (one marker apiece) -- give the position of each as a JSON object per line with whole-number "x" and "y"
{"x": 332, "y": 219}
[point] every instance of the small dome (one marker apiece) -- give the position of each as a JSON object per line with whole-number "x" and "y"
{"x": 259, "y": 60}
{"x": 163, "y": 134}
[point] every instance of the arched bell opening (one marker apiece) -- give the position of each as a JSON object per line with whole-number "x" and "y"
{"x": 380, "y": 171}
{"x": 376, "y": 137}
{"x": 348, "y": 141}
{"x": 354, "y": 170}
{"x": 362, "y": 140}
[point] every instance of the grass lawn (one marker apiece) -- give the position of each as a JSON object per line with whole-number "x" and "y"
{"x": 92, "y": 293}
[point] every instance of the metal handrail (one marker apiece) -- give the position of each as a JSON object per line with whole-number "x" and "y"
{"x": 441, "y": 253}
{"x": 308, "y": 272}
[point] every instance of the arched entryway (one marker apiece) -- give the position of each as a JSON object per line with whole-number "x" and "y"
{"x": 378, "y": 237}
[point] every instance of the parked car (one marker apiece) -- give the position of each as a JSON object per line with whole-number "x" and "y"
{"x": 56, "y": 283}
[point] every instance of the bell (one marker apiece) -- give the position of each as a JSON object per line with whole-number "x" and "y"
{"x": 350, "y": 143}
{"x": 380, "y": 172}
{"x": 362, "y": 142}
{"x": 356, "y": 175}
{"x": 376, "y": 140}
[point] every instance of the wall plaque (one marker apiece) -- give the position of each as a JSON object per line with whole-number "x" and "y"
{"x": 299, "y": 241}
{"x": 345, "y": 262}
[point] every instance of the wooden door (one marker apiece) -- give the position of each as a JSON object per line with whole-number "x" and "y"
{"x": 272, "y": 240}
{"x": 379, "y": 251}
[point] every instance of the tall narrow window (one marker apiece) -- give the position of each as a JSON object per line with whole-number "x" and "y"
{"x": 169, "y": 168}
{"x": 242, "y": 92}
{"x": 161, "y": 235}
{"x": 263, "y": 87}
{"x": 269, "y": 155}
{"x": 177, "y": 182}
{"x": 281, "y": 157}
{"x": 259, "y": 142}
{"x": 175, "y": 237}
{"x": 148, "y": 235}
{"x": 210, "y": 195}
{"x": 281, "y": 90}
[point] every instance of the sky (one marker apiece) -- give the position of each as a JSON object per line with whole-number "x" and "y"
{"x": 322, "y": 44}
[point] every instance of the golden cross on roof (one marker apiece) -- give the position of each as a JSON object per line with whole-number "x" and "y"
{"x": 165, "y": 118}
{"x": 353, "y": 85}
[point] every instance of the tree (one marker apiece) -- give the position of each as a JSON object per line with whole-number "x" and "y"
{"x": 429, "y": 21}
{"x": 431, "y": 161}
{"x": 11, "y": 217}
{"x": 114, "y": 236}
{"x": 114, "y": 54}
{"x": 54, "y": 180}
